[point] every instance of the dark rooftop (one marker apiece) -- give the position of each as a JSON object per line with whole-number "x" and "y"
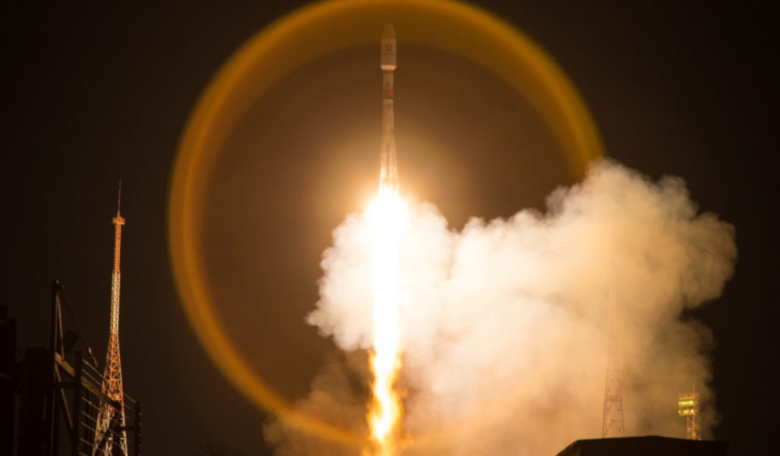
{"x": 640, "y": 446}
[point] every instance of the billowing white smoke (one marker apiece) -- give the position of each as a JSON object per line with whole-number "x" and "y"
{"x": 504, "y": 323}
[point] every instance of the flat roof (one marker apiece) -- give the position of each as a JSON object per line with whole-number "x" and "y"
{"x": 646, "y": 445}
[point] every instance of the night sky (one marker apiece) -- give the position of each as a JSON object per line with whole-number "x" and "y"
{"x": 98, "y": 93}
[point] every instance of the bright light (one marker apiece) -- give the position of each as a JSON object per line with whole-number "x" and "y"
{"x": 387, "y": 214}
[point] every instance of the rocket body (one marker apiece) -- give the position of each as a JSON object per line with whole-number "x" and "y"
{"x": 388, "y": 174}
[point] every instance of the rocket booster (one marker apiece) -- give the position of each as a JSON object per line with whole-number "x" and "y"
{"x": 388, "y": 174}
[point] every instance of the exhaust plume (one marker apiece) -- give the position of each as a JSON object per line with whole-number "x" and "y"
{"x": 504, "y": 323}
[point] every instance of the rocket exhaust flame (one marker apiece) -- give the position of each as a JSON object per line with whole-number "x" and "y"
{"x": 386, "y": 215}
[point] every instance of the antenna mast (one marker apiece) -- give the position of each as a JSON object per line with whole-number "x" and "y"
{"x": 108, "y": 428}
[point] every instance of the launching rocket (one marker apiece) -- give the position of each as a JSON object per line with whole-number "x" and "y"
{"x": 388, "y": 174}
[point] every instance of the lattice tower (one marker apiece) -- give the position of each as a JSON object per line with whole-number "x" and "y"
{"x": 105, "y": 437}
{"x": 612, "y": 426}
{"x": 688, "y": 407}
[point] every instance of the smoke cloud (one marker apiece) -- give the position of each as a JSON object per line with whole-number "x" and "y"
{"x": 504, "y": 322}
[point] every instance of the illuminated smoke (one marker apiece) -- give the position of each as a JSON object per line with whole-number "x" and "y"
{"x": 503, "y": 324}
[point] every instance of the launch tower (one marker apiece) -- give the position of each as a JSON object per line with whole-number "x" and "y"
{"x": 110, "y": 430}
{"x": 612, "y": 426}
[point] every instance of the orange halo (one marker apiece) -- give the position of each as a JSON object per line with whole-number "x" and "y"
{"x": 300, "y": 37}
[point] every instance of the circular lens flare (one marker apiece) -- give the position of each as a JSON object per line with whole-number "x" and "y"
{"x": 316, "y": 31}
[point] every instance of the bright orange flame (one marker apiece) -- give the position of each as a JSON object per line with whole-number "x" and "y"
{"x": 387, "y": 214}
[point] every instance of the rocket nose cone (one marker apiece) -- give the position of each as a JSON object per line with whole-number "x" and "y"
{"x": 388, "y": 33}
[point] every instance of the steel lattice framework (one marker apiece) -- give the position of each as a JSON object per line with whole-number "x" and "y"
{"x": 688, "y": 408}
{"x": 612, "y": 425}
{"x": 112, "y": 375}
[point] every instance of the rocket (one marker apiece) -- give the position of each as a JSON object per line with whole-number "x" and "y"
{"x": 388, "y": 174}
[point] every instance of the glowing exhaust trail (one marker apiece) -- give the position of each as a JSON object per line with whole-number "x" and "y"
{"x": 386, "y": 212}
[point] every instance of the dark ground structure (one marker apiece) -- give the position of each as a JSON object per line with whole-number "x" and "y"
{"x": 640, "y": 446}
{"x": 7, "y": 368}
{"x": 50, "y": 398}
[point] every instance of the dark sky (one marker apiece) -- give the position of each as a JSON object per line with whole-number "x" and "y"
{"x": 95, "y": 93}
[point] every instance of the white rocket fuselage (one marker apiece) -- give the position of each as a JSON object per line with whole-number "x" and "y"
{"x": 388, "y": 175}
